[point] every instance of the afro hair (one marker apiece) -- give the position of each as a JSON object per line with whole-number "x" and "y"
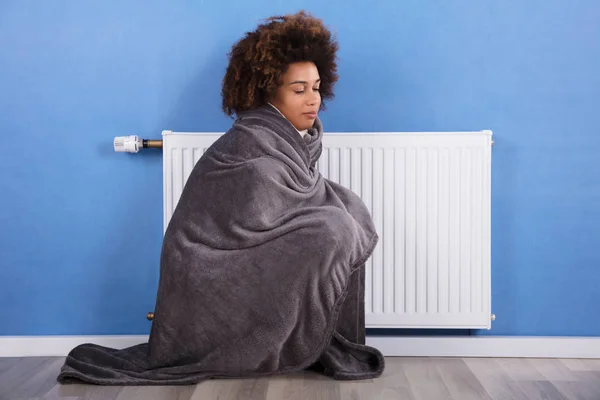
{"x": 258, "y": 61}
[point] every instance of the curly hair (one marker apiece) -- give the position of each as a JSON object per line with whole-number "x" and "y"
{"x": 258, "y": 61}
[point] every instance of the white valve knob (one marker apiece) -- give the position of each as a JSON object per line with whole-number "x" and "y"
{"x": 127, "y": 144}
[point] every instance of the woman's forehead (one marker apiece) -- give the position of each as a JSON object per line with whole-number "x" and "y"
{"x": 301, "y": 72}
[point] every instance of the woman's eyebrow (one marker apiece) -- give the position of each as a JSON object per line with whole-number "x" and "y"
{"x": 303, "y": 82}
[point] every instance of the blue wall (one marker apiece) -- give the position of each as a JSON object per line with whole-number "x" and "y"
{"x": 80, "y": 225}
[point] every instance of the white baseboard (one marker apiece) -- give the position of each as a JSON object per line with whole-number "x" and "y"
{"x": 488, "y": 346}
{"x": 50, "y": 346}
{"x": 390, "y": 346}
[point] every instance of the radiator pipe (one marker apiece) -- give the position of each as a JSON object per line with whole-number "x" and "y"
{"x": 152, "y": 144}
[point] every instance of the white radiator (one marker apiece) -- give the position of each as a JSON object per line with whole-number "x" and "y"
{"x": 429, "y": 195}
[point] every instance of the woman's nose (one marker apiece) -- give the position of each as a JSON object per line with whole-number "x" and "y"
{"x": 313, "y": 99}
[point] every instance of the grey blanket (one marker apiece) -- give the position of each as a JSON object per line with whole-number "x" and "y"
{"x": 261, "y": 270}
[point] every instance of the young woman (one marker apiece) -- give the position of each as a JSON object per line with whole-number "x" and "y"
{"x": 262, "y": 264}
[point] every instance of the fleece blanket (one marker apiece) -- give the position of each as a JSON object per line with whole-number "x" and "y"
{"x": 261, "y": 270}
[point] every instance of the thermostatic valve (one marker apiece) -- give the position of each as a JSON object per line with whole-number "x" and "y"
{"x": 127, "y": 144}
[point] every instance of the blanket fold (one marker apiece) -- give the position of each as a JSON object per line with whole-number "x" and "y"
{"x": 262, "y": 270}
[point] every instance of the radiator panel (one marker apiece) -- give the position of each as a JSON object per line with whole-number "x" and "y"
{"x": 429, "y": 195}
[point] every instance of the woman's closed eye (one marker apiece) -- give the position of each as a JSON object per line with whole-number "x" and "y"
{"x": 302, "y": 91}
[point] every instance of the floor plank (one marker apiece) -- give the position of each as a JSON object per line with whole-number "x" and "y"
{"x": 459, "y": 379}
{"x": 7, "y": 363}
{"x": 38, "y": 381}
{"x": 222, "y": 389}
{"x": 425, "y": 381}
{"x": 494, "y": 379}
{"x": 592, "y": 364}
{"x": 156, "y": 392}
{"x": 520, "y": 369}
{"x": 364, "y": 389}
{"x": 83, "y": 392}
{"x": 231, "y": 389}
{"x": 19, "y": 374}
{"x": 394, "y": 383}
{"x": 576, "y": 364}
{"x": 319, "y": 387}
{"x": 580, "y": 390}
{"x": 541, "y": 390}
{"x": 286, "y": 387}
{"x": 555, "y": 371}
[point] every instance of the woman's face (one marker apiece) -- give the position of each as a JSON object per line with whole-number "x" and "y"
{"x": 298, "y": 97}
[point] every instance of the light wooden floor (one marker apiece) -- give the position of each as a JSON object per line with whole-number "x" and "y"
{"x": 404, "y": 378}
